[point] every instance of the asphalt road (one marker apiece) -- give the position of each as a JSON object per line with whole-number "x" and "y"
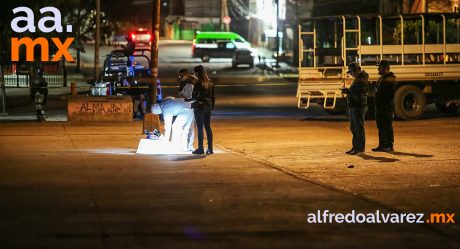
{"x": 81, "y": 185}
{"x": 176, "y": 55}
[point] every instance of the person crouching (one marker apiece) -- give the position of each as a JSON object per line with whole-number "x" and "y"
{"x": 179, "y": 131}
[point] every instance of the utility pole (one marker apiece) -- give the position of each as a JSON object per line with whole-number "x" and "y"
{"x": 2, "y": 92}
{"x": 171, "y": 7}
{"x": 224, "y": 12}
{"x": 277, "y": 42}
{"x": 79, "y": 37}
{"x": 97, "y": 38}
{"x": 152, "y": 121}
{"x": 154, "y": 52}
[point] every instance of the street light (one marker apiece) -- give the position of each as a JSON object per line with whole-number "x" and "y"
{"x": 277, "y": 42}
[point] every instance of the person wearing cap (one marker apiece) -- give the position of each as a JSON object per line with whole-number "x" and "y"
{"x": 357, "y": 106}
{"x": 384, "y": 106}
{"x": 180, "y": 129}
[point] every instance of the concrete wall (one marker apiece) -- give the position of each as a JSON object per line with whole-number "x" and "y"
{"x": 99, "y": 108}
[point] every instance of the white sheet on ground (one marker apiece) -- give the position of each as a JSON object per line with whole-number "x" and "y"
{"x": 157, "y": 147}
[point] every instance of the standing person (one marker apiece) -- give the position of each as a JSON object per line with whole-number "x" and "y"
{"x": 384, "y": 106}
{"x": 203, "y": 95}
{"x": 357, "y": 105}
{"x": 187, "y": 81}
{"x": 128, "y": 50}
{"x": 38, "y": 91}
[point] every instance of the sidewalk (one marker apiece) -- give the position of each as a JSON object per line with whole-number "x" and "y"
{"x": 19, "y": 106}
{"x": 80, "y": 185}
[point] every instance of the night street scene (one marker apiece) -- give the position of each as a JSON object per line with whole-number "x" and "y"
{"x": 229, "y": 124}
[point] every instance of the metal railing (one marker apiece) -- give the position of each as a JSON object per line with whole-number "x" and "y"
{"x": 18, "y": 76}
{"x": 381, "y": 50}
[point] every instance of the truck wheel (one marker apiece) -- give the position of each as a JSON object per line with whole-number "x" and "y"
{"x": 410, "y": 102}
{"x": 205, "y": 58}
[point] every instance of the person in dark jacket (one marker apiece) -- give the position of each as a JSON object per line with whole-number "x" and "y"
{"x": 38, "y": 91}
{"x": 203, "y": 96}
{"x": 128, "y": 50}
{"x": 357, "y": 106}
{"x": 129, "y": 47}
{"x": 384, "y": 106}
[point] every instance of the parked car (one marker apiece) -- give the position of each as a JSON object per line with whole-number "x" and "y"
{"x": 141, "y": 36}
{"x": 207, "y": 45}
{"x": 242, "y": 56}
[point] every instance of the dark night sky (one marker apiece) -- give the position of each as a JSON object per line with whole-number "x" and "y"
{"x": 118, "y": 9}
{"x": 345, "y": 7}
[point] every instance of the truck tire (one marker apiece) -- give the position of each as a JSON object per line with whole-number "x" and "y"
{"x": 205, "y": 58}
{"x": 410, "y": 102}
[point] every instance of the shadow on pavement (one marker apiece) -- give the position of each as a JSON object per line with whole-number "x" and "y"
{"x": 377, "y": 158}
{"x": 187, "y": 158}
{"x": 397, "y": 153}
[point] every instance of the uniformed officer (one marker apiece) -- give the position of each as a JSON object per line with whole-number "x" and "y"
{"x": 357, "y": 106}
{"x": 384, "y": 106}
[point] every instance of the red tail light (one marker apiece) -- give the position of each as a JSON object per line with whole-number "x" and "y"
{"x": 149, "y": 36}
{"x": 133, "y": 36}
